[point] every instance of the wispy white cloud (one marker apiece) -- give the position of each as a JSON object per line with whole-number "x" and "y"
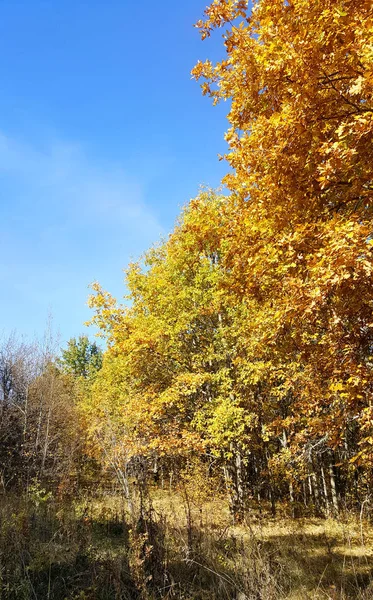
{"x": 66, "y": 218}
{"x": 62, "y": 175}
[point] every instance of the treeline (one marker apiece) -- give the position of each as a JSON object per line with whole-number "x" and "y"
{"x": 249, "y": 336}
{"x": 245, "y": 344}
{"x": 41, "y": 440}
{"x": 199, "y": 367}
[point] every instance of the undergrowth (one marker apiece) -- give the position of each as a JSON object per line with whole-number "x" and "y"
{"x": 93, "y": 550}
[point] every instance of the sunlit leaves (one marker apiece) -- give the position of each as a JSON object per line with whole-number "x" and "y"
{"x": 248, "y": 332}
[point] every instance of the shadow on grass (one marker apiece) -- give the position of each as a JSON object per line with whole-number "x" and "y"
{"x": 316, "y": 561}
{"x": 47, "y": 553}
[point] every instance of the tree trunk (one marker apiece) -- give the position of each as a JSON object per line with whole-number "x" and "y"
{"x": 316, "y": 492}
{"x": 326, "y": 498}
{"x": 271, "y": 490}
{"x": 234, "y": 484}
{"x": 46, "y": 443}
{"x": 333, "y": 489}
{"x": 291, "y": 489}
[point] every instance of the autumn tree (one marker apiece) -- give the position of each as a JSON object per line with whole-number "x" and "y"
{"x": 18, "y": 369}
{"x": 298, "y": 75}
{"x": 177, "y": 379}
{"x": 40, "y": 432}
{"x": 247, "y": 335}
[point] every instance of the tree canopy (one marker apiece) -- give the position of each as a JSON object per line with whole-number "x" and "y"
{"x": 250, "y": 332}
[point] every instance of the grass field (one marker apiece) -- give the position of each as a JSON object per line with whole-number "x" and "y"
{"x": 91, "y": 550}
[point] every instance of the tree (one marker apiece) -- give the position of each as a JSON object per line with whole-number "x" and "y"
{"x": 39, "y": 426}
{"x": 81, "y": 358}
{"x": 176, "y": 378}
{"x": 299, "y": 78}
{"x": 166, "y": 387}
{"x": 248, "y": 336}
{"x": 18, "y": 369}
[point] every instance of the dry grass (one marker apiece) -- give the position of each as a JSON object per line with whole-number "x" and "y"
{"x": 186, "y": 548}
{"x": 308, "y": 558}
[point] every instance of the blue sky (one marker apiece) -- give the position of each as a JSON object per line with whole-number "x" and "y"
{"x": 103, "y": 137}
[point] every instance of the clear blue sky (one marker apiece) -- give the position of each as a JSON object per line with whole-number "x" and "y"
{"x": 103, "y": 137}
